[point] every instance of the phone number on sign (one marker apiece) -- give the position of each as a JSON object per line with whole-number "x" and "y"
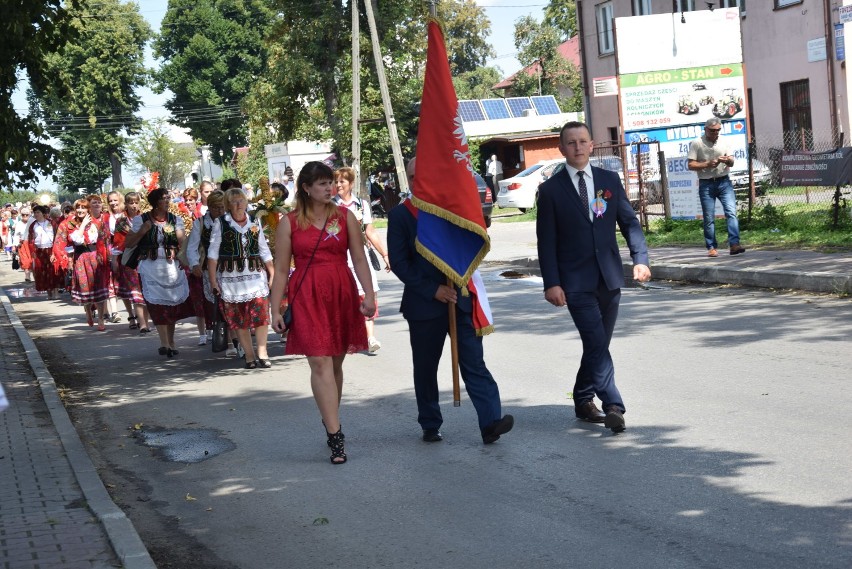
{"x": 650, "y": 122}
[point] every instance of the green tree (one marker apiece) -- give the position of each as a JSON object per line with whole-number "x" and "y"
{"x": 103, "y": 65}
{"x": 213, "y": 52}
{"x": 83, "y": 164}
{"x": 562, "y": 15}
{"x": 153, "y": 150}
{"x": 306, "y": 91}
{"x": 537, "y": 46}
{"x": 30, "y": 30}
{"x": 476, "y": 84}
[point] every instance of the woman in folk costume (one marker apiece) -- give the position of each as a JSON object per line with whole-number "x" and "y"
{"x": 39, "y": 242}
{"x": 115, "y": 218}
{"x": 157, "y": 236}
{"x": 128, "y": 287}
{"x": 189, "y": 209}
{"x": 327, "y": 315}
{"x": 196, "y": 253}
{"x": 86, "y": 235}
{"x": 239, "y": 266}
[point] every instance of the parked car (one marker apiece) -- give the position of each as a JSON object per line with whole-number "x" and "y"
{"x": 521, "y": 190}
{"x": 485, "y": 197}
{"x": 762, "y": 176}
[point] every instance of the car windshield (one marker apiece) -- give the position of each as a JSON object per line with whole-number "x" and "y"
{"x": 528, "y": 171}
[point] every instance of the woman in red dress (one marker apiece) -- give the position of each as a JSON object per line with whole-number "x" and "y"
{"x": 127, "y": 279}
{"x": 90, "y": 281}
{"x": 328, "y": 316}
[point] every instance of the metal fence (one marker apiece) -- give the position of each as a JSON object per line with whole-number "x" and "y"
{"x": 765, "y": 204}
{"x": 641, "y": 167}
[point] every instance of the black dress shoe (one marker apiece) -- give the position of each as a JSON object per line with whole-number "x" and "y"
{"x": 589, "y": 412}
{"x": 432, "y": 436}
{"x": 163, "y": 351}
{"x": 493, "y": 431}
{"x": 614, "y": 419}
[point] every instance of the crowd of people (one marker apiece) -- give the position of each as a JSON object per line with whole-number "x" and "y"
{"x": 212, "y": 255}
{"x": 208, "y": 254}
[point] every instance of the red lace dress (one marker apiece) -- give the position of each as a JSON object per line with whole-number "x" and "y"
{"x": 326, "y": 316}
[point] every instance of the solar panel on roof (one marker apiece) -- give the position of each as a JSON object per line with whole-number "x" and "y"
{"x": 518, "y": 105}
{"x": 471, "y": 111}
{"x": 495, "y": 108}
{"x": 545, "y": 105}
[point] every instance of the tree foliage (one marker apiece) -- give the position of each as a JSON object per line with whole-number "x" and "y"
{"x": 537, "y": 44}
{"x": 562, "y": 15}
{"x": 29, "y": 31}
{"x": 153, "y": 150}
{"x": 103, "y": 66}
{"x": 476, "y": 84}
{"x": 213, "y": 52}
{"x": 306, "y": 91}
{"x": 83, "y": 164}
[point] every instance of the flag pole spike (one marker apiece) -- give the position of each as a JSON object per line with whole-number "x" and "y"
{"x": 433, "y": 8}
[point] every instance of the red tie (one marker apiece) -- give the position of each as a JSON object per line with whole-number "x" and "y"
{"x": 584, "y": 194}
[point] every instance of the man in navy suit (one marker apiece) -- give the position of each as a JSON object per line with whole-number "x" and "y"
{"x": 425, "y": 301}
{"x": 578, "y": 209}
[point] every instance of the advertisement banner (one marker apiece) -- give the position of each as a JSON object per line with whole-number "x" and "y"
{"x": 675, "y": 141}
{"x": 682, "y": 96}
{"x": 674, "y": 41}
{"x": 817, "y": 169}
{"x": 683, "y": 191}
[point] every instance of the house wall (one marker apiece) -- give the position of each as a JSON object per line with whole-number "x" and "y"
{"x": 775, "y": 51}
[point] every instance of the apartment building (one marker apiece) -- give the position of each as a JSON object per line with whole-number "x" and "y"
{"x": 793, "y": 56}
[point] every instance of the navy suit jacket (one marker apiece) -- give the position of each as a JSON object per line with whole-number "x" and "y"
{"x": 575, "y": 252}
{"x": 420, "y": 277}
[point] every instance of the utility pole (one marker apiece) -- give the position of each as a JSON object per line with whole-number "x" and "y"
{"x": 402, "y": 180}
{"x": 356, "y": 95}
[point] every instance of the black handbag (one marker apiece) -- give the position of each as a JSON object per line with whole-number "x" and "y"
{"x": 15, "y": 263}
{"x": 220, "y": 330}
{"x": 374, "y": 259}
{"x": 130, "y": 257}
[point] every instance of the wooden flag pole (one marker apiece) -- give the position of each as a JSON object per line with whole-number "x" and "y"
{"x": 454, "y": 350}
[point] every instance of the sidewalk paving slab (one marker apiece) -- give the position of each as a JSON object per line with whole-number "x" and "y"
{"x": 54, "y": 509}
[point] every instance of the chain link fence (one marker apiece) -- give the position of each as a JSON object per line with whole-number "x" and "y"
{"x": 765, "y": 204}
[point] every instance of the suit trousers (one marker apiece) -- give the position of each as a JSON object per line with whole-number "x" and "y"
{"x": 594, "y": 315}
{"x": 427, "y": 343}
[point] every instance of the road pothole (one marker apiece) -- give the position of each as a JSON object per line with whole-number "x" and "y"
{"x": 185, "y": 445}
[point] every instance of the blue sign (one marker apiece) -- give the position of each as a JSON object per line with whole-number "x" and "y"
{"x": 839, "y": 44}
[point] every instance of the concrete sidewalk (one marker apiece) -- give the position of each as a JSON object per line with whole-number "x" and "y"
{"x": 54, "y": 509}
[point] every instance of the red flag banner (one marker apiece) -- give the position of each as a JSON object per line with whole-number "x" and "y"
{"x": 450, "y": 228}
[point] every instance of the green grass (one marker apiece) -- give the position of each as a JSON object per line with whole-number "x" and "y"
{"x": 511, "y": 215}
{"x": 793, "y": 226}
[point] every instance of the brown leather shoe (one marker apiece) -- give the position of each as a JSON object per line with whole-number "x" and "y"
{"x": 589, "y": 412}
{"x": 737, "y": 249}
{"x": 614, "y": 419}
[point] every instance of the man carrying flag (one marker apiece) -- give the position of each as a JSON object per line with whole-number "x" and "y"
{"x": 436, "y": 240}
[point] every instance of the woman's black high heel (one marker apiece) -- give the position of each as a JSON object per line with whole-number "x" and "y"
{"x": 335, "y": 441}
{"x": 340, "y": 430}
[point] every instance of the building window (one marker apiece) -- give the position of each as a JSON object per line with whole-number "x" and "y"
{"x": 685, "y": 5}
{"x": 796, "y": 115}
{"x": 641, "y": 7}
{"x": 606, "y": 41}
{"x": 785, "y": 3}
{"x": 728, "y": 3}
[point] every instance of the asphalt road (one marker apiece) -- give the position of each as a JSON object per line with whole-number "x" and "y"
{"x": 737, "y": 452}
